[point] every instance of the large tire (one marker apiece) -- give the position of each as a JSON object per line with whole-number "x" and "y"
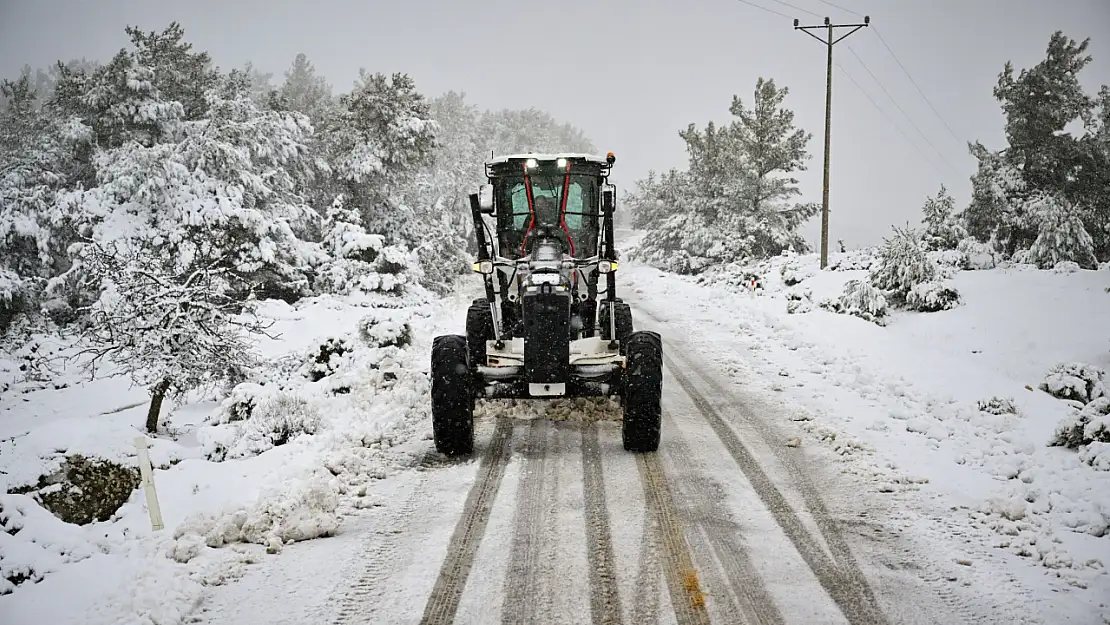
{"x": 452, "y": 398}
{"x": 643, "y": 392}
{"x": 624, "y": 321}
{"x": 479, "y": 329}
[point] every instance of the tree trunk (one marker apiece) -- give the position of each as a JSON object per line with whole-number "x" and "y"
{"x": 158, "y": 393}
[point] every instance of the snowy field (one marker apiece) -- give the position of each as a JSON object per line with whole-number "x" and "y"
{"x": 941, "y": 411}
{"x": 233, "y": 485}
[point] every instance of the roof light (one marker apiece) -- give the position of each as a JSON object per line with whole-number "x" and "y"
{"x": 562, "y": 162}
{"x": 532, "y": 164}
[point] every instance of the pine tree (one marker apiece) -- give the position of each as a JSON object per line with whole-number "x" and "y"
{"x": 1039, "y": 103}
{"x": 178, "y": 73}
{"x": 1061, "y": 236}
{"x": 999, "y": 195}
{"x": 942, "y": 230}
{"x": 736, "y": 193}
{"x": 305, "y": 92}
{"x": 380, "y": 139}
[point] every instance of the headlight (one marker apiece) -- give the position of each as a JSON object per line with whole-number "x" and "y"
{"x": 606, "y": 266}
{"x": 532, "y": 163}
{"x": 562, "y": 163}
{"x": 484, "y": 267}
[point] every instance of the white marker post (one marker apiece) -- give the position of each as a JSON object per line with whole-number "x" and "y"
{"x": 147, "y": 473}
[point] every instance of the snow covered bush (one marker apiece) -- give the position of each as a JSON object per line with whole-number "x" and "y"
{"x": 362, "y": 262}
{"x": 326, "y": 358}
{"x": 799, "y": 301}
{"x": 794, "y": 272}
{"x": 1061, "y": 236}
{"x": 84, "y": 490}
{"x": 1075, "y": 381}
{"x": 901, "y": 265}
{"x": 275, "y": 420}
{"x": 1088, "y": 430}
{"x": 240, "y": 403}
{"x": 377, "y": 332}
{"x": 977, "y": 255}
{"x": 861, "y": 300}
{"x": 1066, "y": 266}
{"x": 997, "y": 406}
{"x": 932, "y": 296}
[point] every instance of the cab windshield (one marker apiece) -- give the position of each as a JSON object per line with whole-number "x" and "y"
{"x": 578, "y": 225}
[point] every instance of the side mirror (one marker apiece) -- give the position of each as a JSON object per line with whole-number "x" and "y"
{"x": 608, "y": 199}
{"x": 485, "y": 198}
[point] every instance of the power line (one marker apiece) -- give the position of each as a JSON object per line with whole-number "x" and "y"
{"x": 899, "y": 107}
{"x": 889, "y": 119}
{"x": 919, "y": 90}
{"x": 836, "y": 6}
{"x": 787, "y": 4}
{"x": 762, "y": 8}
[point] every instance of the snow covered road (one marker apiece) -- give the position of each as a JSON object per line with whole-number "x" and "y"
{"x": 552, "y": 522}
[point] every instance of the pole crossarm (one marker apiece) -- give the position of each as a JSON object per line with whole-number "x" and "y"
{"x": 829, "y": 42}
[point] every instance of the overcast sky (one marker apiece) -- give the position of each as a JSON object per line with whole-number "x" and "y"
{"x": 631, "y": 73}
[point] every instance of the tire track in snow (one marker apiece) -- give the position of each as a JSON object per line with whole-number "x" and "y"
{"x": 645, "y": 593}
{"x": 716, "y": 534}
{"x": 521, "y": 587}
{"x": 381, "y": 550}
{"x": 605, "y": 605}
{"x": 444, "y": 600}
{"x": 845, "y": 585}
{"x": 826, "y": 524}
{"x": 681, "y": 576}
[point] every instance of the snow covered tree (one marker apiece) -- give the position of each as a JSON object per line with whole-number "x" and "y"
{"x": 530, "y": 130}
{"x": 1039, "y": 103}
{"x": 381, "y": 136}
{"x": 169, "y": 323}
{"x": 1061, "y": 236}
{"x": 230, "y": 179}
{"x": 1093, "y": 176}
{"x": 656, "y": 199}
{"x": 735, "y": 195}
{"x": 1043, "y": 157}
{"x": 178, "y": 73}
{"x": 40, "y": 154}
{"x": 772, "y": 149}
{"x": 261, "y": 84}
{"x": 997, "y": 211}
{"x": 942, "y": 230}
{"x": 304, "y": 91}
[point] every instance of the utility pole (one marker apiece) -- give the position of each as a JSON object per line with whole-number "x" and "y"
{"x": 829, "y": 42}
